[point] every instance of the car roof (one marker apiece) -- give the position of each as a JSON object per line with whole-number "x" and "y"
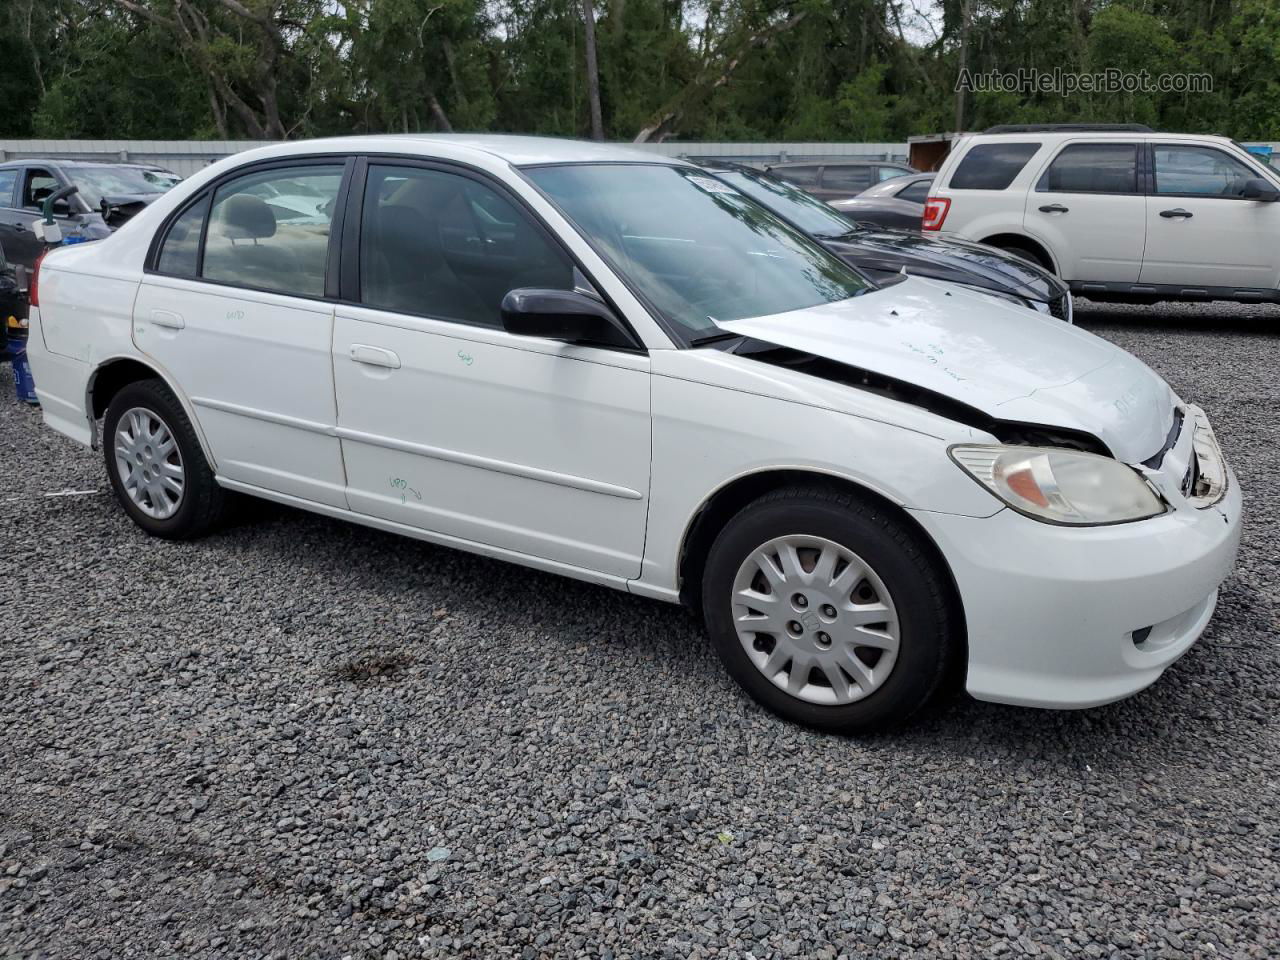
{"x": 1126, "y": 136}
{"x": 72, "y": 161}
{"x": 514, "y": 149}
{"x": 838, "y": 162}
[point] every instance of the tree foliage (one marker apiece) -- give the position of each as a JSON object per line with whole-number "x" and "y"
{"x": 867, "y": 70}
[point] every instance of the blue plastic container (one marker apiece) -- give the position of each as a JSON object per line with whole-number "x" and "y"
{"x": 22, "y": 373}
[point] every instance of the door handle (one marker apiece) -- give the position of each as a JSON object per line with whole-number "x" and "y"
{"x": 1054, "y": 208}
{"x": 374, "y": 356}
{"x": 1177, "y": 212}
{"x": 167, "y": 318}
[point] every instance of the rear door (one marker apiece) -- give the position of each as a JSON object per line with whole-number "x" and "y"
{"x": 1201, "y": 231}
{"x": 451, "y": 424}
{"x": 1087, "y": 205}
{"x": 235, "y": 310}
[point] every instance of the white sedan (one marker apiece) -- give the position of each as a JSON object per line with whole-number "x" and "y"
{"x": 605, "y": 364}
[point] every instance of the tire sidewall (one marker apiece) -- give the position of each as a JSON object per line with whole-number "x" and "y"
{"x": 923, "y": 640}
{"x": 154, "y": 397}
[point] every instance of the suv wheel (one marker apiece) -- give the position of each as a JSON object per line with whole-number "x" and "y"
{"x": 155, "y": 463}
{"x": 826, "y": 610}
{"x": 1026, "y": 253}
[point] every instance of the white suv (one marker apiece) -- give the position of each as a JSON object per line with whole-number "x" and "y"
{"x": 1120, "y": 213}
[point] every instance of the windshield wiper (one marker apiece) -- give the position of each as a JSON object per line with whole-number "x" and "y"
{"x": 717, "y": 337}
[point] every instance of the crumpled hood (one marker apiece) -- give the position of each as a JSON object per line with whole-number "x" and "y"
{"x": 1011, "y": 363}
{"x": 944, "y": 258}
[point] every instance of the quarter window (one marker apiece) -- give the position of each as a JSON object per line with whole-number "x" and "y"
{"x": 270, "y": 230}
{"x": 1093, "y": 168}
{"x": 179, "y": 256}
{"x": 443, "y": 245}
{"x": 992, "y": 166}
{"x": 917, "y": 192}
{"x": 1201, "y": 171}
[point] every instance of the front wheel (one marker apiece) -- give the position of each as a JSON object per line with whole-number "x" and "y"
{"x": 155, "y": 464}
{"x": 829, "y": 611}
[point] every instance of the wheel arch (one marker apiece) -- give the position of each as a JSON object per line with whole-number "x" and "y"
{"x": 726, "y": 501}
{"x": 1021, "y": 239}
{"x": 113, "y": 374}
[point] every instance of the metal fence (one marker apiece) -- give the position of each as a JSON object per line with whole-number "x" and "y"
{"x": 185, "y": 157}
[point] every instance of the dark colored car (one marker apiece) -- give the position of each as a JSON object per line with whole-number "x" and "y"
{"x": 880, "y": 253}
{"x": 109, "y": 194}
{"x": 897, "y": 203}
{"x": 838, "y": 179}
{"x": 12, "y": 302}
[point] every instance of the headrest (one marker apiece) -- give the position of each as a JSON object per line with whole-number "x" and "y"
{"x": 243, "y": 216}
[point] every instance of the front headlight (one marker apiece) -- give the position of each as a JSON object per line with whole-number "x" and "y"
{"x": 1060, "y": 486}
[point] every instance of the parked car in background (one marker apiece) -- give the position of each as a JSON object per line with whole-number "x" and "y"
{"x": 883, "y": 254}
{"x": 897, "y": 203}
{"x": 12, "y": 301}
{"x": 629, "y": 372}
{"x": 109, "y": 195}
{"x": 1119, "y": 214}
{"x": 838, "y": 179}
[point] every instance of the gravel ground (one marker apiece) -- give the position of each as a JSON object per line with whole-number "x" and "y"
{"x": 299, "y": 738}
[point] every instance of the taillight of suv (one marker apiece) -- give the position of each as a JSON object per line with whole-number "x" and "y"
{"x": 935, "y": 211}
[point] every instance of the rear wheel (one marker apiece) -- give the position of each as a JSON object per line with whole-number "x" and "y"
{"x": 155, "y": 464}
{"x": 827, "y": 610}
{"x": 1026, "y": 253}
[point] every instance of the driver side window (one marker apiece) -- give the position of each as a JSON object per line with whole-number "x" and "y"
{"x": 443, "y": 245}
{"x": 1200, "y": 171}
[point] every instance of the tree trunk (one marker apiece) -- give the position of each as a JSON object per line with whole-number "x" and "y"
{"x": 659, "y": 125}
{"x": 593, "y": 71}
{"x": 437, "y": 111}
{"x": 964, "y": 61}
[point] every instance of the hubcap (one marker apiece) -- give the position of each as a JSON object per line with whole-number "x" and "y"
{"x": 149, "y": 463}
{"x": 815, "y": 619}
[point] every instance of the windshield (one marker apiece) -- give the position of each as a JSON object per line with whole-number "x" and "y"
{"x": 98, "y": 182}
{"x": 789, "y": 202}
{"x": 696, "y": 248}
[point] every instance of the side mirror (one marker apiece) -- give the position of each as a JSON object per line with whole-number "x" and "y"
{"x": 61, "y": 208}
{"x": 1261, "y": 190}
{"x": 562, "y": 315}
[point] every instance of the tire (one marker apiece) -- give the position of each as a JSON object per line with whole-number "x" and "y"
{"x": 1026, "y": 253}
{"x": 917, "y": 640}
{"x": 148, "y": 409}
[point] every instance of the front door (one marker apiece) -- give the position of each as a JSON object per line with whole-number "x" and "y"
{"x": 1201, "y": 231}
{"x": 1087, "y": 207}
{"x": 244, "y": 330}
{"x": 451, "y": 424}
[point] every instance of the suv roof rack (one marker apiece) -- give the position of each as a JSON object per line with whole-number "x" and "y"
{"x": 1069, "y": 128}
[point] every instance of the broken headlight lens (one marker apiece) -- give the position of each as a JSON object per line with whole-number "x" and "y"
{"x": 1060, "y": 486}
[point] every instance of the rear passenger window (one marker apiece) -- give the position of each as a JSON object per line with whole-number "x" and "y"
{"x": 853, "y": 179}
{"x": 270, "y": 230}
{"x": 180, "y": 253}
{"x": 8, "y": 179}
{"x": 992, "y": 166}
{"x": 443, "y": 245}
{"x": 1093, "y": 168}
{"x": 800, "y": 176}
